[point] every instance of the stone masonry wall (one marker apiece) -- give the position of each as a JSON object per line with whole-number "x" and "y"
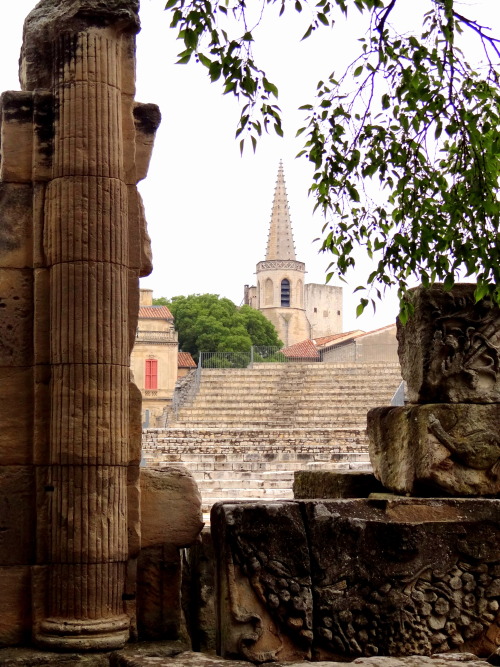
{"x": 253, "y": 463}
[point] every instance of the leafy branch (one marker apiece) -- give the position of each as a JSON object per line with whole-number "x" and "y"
{"x": 405, "y": 144}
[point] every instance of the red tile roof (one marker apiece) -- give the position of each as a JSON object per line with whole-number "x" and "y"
{"x": 155, "y": 313}
{"x": 306, "y": 349}
{"x": 185, "y": 360}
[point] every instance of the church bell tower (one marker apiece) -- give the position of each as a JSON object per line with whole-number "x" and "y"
{"x": 280, "y": 277}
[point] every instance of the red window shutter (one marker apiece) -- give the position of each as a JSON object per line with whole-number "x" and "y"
{"x": 151, "y": 374}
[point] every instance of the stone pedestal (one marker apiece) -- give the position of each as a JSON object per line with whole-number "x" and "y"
{"x": 445, "y": 441}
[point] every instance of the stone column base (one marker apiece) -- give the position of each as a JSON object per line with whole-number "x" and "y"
{"x": 84, "y": 635}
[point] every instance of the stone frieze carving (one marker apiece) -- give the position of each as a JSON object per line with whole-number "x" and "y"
{"x": 273, "y": 264}
{"x": 450, "y": 348}
{"x": 370, "y": 577}
{"x": 266, "y": 581}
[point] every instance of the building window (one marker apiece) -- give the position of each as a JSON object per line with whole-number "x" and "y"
{"x": 285, "y": 293}
{"x": 151, "y": 374}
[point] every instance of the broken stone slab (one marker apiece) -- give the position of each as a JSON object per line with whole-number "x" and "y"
{"x": 333, "y": 484}
{"x": 342, "y": 579}
{"x": 450, "y": 347}
{"x": 437, "y": 449}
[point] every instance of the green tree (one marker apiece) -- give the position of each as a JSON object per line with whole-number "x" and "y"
{"x": 405, "y": 143}
{"x": 208, "y": 323}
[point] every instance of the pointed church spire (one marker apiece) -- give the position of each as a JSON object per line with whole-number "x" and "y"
{"x": 280, "y": 241}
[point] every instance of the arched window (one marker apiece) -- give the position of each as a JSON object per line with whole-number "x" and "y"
{"x": 268, "y": 292}
{"x": 285, "y": 293}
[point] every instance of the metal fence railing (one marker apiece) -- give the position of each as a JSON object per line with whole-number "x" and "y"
{"x": 225, "y": 359}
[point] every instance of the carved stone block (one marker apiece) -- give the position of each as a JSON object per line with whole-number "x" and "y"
{"x": 16, "y": 392}
{"x": 15, "y": 619}
{"x": 338, "y": 579}
{"x": 264, "y": 597}
{"x": 16, "y": 214}
{"x": 437, "y": 449}
{"x": 404, "y": 577}
{"x": 17, "y": 510}
{"x": 16, "y": 317}
{"x": 334, "y": 484}
{"x": 170, "y": 507}
{"x": 450, "y": 348}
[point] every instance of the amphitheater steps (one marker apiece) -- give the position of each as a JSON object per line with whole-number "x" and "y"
{"x": 248, "y": 430}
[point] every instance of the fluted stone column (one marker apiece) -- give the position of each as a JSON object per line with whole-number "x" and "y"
{"x": 85, "y": 243}
{"x": 93, "y": 145}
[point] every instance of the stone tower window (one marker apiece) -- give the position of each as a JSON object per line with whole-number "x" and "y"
{"x": 151, "y": 376}
{"x": 285, "y": 293}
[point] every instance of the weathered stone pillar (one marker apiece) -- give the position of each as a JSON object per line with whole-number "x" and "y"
{"x": 88, "y": 143}
{"x": 85, "y": 243}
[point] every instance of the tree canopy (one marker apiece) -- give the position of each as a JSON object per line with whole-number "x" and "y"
{"x": 405, "y": 144}
{"x": 208, "y": 323}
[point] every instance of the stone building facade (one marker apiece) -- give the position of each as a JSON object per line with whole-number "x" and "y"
{"x": 298, "y": 311}
{"x": 154, "y": 358}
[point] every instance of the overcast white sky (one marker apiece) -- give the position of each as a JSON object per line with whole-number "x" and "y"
{"x": 208, "y": 209}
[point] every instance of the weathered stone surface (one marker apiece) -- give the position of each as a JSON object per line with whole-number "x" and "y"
{"x": 159, "y": 613}
{"x": 41, "y": 415}
{"x": 16, "y": 391}
{"x": 404, "y": 577}
{"x": 394, "y": 577}
{"x": 198, "y": 592}
{"x": 332, "y": 484}
{"x": 438, "y": 449}
{"x": 17, "y": 512}
{"x": 15, "y": 616}
{"x": 41, "y": 326}
{"x": 264, "y": 597}
{"x": 26, "y": 657}
{"x": 135, "y": 431}
{"x": 134, "y": 509}
{"x": 50, "y": 17}
{"x": 140, "y": 253}
{"x": 147, "y": 119}
{"x": 170, "y": 654}
{"x": 16, "y": 317}
{"x": 170, "y": 507}
{"x": 16, "y": 136}
{"x": 16, "y": 215}
{"x": 450, "y": 348}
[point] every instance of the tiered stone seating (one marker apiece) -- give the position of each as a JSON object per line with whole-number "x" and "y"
{"x": 248, "y": 430}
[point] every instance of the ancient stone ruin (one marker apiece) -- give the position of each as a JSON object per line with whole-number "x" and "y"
{"x": 390, "y": 574}
{"x": 73, "y": 244}
{"x": 85, "y": 565}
